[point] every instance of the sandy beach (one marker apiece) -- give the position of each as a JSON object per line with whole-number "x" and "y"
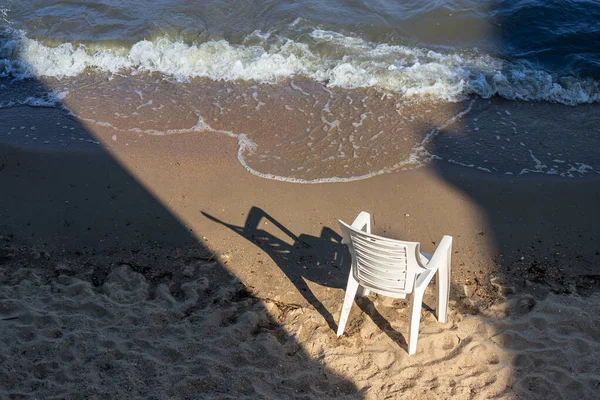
{"x": 173, "y": 174}
{"x": 140, "y": 266}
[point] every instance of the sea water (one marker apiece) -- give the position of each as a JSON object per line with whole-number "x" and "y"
{"x": 324, "y": 91}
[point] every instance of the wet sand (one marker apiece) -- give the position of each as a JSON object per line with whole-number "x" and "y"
{"x": 131, "y": 211}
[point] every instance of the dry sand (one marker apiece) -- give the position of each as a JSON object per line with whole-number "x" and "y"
{"x": 197, "y": 333}
{"x": 161, "y": 269}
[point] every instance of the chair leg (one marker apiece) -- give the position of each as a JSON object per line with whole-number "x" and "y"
{"x": 416, "y": 302}
{"x": 442, "y": 292}
{"x": 362, "y": 291}
{"x": 351, "y": 290}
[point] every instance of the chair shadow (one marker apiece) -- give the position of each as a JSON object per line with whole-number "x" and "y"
{"x": 323, "y": 260}
{"x": 367, "y": 306}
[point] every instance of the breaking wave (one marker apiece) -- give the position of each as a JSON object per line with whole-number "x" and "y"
{"x": 325, "y": 56}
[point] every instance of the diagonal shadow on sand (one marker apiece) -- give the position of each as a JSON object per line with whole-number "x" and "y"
{"x": 104, "y": 293}
{"x": 544, "y": 234}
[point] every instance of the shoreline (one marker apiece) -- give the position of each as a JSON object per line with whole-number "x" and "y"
{"x": 187, "y": 175}
{"x": 181, "y": 274}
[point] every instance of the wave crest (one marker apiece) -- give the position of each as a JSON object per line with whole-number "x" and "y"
{"x": 324, "y": 56}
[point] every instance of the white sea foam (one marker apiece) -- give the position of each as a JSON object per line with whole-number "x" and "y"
{"x": 325, "y": 56}
{"x": 418, "y": 156}
{"x": 50, "y": 99}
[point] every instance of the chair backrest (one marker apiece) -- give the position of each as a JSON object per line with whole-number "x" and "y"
{"x": 383, "y": 265}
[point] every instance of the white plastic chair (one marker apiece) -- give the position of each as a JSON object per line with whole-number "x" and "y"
{"x": 394, "y": 268}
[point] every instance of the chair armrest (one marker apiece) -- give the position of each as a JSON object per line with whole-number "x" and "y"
{"x": 440, "y": 252}
{"x": 363, "y": 222}
{"x": 440, "y": 255}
